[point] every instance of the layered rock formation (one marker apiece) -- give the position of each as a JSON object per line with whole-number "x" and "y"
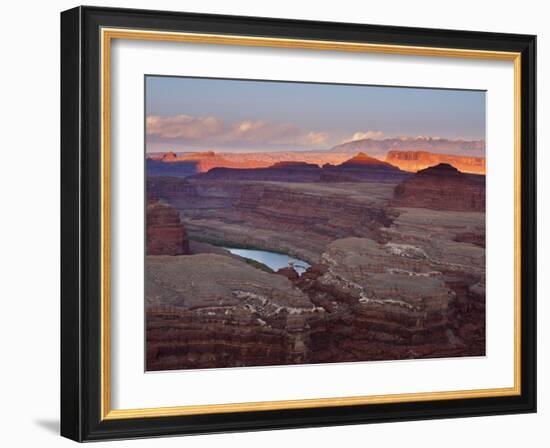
{"x": 165, "y": 232}
{"x": 362, "y": 168}
{"x": 209, "y": 310}
{"x": 309, "y": 210}
{"x": 279, "y": 172}
{"x": 169, "y": 188}
{"x": 419, "y": 294}
{"x": 209, "y": 159}
{"x": 461, "y": 264}
{"x": 297, "y": 218}
{"x": 476, "y": 238}
{"x": 398, "y": 269}
{"x": 363, "y": 301}
{"x": 187, "y": 164}
{"x": 418, "y": 160}
{"x": 408, "y": 153}
{"x": 169, "y": 157}
{"x": 442, "y": 187}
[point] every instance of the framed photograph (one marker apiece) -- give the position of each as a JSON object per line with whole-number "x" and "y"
{"x": 274, "y": 223}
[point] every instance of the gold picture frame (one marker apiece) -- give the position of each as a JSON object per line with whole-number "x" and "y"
{"x": 108, "y": 30}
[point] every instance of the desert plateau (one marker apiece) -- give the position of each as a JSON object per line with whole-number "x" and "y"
{"x": 295, "y": 250}
{"x": 396, "y": 265}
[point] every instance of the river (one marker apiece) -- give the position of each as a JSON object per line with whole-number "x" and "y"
{"x": 273, "y": 260}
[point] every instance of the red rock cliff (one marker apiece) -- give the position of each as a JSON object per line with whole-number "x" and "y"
{"x": 442, "y": 187}
{"x": 362, "y": 168}
{"x": 165, "y": 232}
{"x": 418, "y": 160}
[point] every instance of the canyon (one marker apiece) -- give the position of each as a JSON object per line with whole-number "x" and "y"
{"x": 397, "y": 272}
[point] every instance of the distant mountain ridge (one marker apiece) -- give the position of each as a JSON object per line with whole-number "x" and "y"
{"x": 379, "y": 147}
{"x": 206, "y": 160}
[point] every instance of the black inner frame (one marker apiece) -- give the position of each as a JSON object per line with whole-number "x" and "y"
{"x": 80, "y": 224}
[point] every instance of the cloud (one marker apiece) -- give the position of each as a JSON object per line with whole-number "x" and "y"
{"x": 365, "y": 135}
{"x": 213, "y": 130}
{"x": 183, "y": 127}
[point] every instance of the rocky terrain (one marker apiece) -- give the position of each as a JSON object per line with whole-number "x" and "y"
{"x": 165, "y": 232}
{"x": 209, "y": 310}
{"x": 295, "y": 218}
{"x": 442, "y": 187}
{"x": 414, "y": 296}
{"x": 407, "y": 153}
{"x": 278, "y": 172}
{"x": 414, "y": 161}
{"x": 187, "y": 164}
{"x": 362, "y": 168}
{"x": 397, "y": 267}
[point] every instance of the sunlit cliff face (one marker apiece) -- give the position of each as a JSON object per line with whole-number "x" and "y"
{"x": 208, "y": 160}
{"x": 411, "y": 161}
{"x": 414, "y": 161}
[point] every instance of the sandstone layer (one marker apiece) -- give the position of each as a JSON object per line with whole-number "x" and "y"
{"x": 362, "y": 168}
{"x": 418, "y": 160}
{"x": 279, "y": 172}
{"x": 186, "y": 164}
{"x": 406, "y": 153}
{"x": 165, "y": 232}
{"x": 442, "y": 187}
{"x": 398, "y": 271}
{"x": 412, "y": 297}
{"x": 295, "y": 218}
{"x": 210, "y": 310}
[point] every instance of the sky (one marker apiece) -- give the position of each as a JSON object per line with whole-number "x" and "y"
{"x": 189, "y": 114}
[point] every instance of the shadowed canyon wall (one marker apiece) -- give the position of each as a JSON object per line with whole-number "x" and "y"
{"x": 396, "y": 272}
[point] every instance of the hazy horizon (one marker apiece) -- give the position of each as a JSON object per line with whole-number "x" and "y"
{"x": 199, "y": 114}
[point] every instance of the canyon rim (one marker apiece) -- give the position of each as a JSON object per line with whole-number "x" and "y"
{"x": 300, "y": 223}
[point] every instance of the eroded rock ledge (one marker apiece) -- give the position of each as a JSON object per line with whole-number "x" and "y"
{"x": 442, "y": 187}
{"x": 165, "y": 232}
{"x": 363, "y": 301}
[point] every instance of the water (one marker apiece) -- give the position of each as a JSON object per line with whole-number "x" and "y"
{"x": 271, "y": 259}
